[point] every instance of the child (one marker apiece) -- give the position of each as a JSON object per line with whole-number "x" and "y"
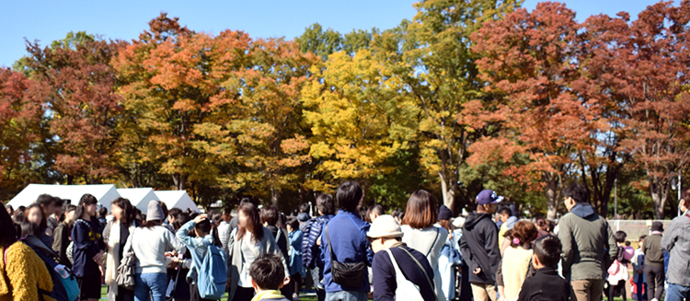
{"x": 618, "y": 272}
{"x": 640, "y": 286}
{"x": 515, "y": 264}
{"x": 297, "y": 271}
{"x": 546, "y": 284}
{"x": 268, "y": 276}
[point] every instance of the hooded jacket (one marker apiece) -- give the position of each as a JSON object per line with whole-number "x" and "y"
{"x": 588, "y": 244}
{"x": 479, "y": 247}
{"x": 677, "y": 243}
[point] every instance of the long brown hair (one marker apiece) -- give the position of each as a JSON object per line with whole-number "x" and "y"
{"x": 421, "y": 210}
{"x": 253, "y": 223}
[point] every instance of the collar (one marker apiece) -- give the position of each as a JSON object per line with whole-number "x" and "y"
{"x": 657, "y": 233}
{"x": 344, "y": 212}
{"x": 268, "y": 294}
{"x": 547, "y": 271}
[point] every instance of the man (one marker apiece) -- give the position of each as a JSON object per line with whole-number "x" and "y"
{"x": 54, "y": 220}
{"x": 385, "y": 235}
{"x": 677, "y": 243}
{"x": 479, "y": 246}
{"x": 62, "y": 235}
{"x": 654, "y": 262}
{"x": 345, "y": 236}
{"x": 311, "y": 252}
{"x": 588, "y": 245}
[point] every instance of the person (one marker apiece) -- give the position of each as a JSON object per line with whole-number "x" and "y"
{"x": 546, "y": 284}
{"x": 479, "y": 246}
{"x": 303, "y": 217}
{"x": 115, "y": 236}
{"x": 311, "y": 252}
{"x": 297, "y": 271}
{"x": 88, "y": 249}
{"x": 48, "y": 204}
{"x": 10, "y": 210}
{"x": 36, "y": 215}
{"x": 449, "y": 257}
{"x": 588, "y": 245}
{"x": 235, "y": 220}
{"x": 398, "y": 214}
{"x": 22, "y": 272}
{"x": 150, "y": 242}
{"x": 270, "y": 218}
{"x": 508, "y": 221}
{"x": 516, "y": 263}
{"x": 421, "y": 234}
{"x": 205, "y": 235}
{"x": 618, "y": 273}
{"x": 640, "y": 286}
{"x": 654, "y": 262}
{"x": 345, "y": 237}
{"x": 182, "y": 288}
{"x": 266, "y": 273}
{"x": 224, "y": 228}
{"x": 246, "y": 242}
{"x": 386, "y": 235}
{"x": 172, "y": 216}
{"x": 374, "y": 212}
{"x": 54, "y": 217}
{"x": 677, "y": 243}
{"x": 19, "y": 214}
{"x": 102, "y": 214}
{"x": 62, "y": 233}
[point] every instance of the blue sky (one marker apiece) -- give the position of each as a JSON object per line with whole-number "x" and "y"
{"x": 48, "y": 20}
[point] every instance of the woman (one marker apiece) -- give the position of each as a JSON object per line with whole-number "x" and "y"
{"x": 88, "y": 249}
{"x": 150, "y": 242}
{"x": 115, "y": 236}
{"x": 35, "y": 215}
{"x": 22, "y": 272}
{"x": 422, "y": 235}
{"x": 516, "y": 262}
{"x": 450, "y": 254}
{"x": 246, "y": 243}
{"x": 205, "y": 236}
{"x": 297, "y": 271}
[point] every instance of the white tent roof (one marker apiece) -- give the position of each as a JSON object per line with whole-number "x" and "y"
{"x": 104, "y": 193}
{"x": 139, "y": 197}
{"x": 176, "y": 199}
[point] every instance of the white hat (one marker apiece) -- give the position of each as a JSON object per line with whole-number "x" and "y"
{"x": 384, "y": 226}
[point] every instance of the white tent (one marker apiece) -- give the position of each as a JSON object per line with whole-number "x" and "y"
{"x": 176, "y": 199}
{"x": 139, "y": 197}
{"x": 104, "y": 193}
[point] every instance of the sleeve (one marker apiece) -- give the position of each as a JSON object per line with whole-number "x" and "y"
{"x": 369, "y": 255}
{"x": 668, "y": 241}
{"x": 58, "y": 235}
{"x": 499, "y": 274}
{"x": 128, "y": 244}
{"x": 467, "y": 254}
{"x": 272, "y": 246}
{"x": 613, "y": 246}
{"x": 173, "y": 243}
{"x": 565, "y": 236}
{"x": 492, "y": 249}
{"x": 307, "y": 245}
{"x": 26, "y": 271}
{"x": 183, "y": 235}
{"x": 384, "y": 278}
{"x": 82, "y": 241}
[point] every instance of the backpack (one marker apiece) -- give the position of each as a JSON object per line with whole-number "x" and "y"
{"x": 406, "y": 290}
{"x": 65, "y": 286}
{"x": 211, "y": 273}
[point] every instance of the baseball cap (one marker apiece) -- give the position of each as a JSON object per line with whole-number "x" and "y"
{"x": 384, "y": 226}
{"x": 488, "y": 196}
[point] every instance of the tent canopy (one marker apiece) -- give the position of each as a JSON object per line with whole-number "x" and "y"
{"x": 139, "y": 197}
{"x": 176, "y": 199}
{"x": 104, "y": 193}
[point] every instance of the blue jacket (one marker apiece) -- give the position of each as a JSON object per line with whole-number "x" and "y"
{"x": 87, "y": 243}
{"x": 311, "y": 255}
{"x": 295, "y": 263}
{"x": 198, "y": 245}
{"x": 348, "y": 235}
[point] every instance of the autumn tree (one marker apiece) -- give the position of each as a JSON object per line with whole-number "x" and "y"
{"x": 21, "y": 109}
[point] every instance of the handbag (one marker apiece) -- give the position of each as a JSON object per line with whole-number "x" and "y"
{"x": 126, "y": 271}
{"x": 406, "y": 290}
{"x": 347, "y": 274}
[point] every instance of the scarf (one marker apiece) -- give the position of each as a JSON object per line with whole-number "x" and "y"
{"x": 113, "y": 257}
{"x": 268, "y": 294}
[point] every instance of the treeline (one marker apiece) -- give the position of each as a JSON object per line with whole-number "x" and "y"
{"x": 466, "y": 96}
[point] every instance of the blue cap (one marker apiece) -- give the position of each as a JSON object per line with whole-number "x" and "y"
{"x": 488, "y": 196}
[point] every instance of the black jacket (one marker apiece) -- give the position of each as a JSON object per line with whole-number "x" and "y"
{"x": 479, "y": 247}
{"x": 546, "y": 285}
{"x": 384, "y": 273}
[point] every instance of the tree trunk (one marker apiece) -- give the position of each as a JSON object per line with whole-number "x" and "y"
{"x": 659, "y": 195}
{"x": 179, "y": 180}
{"x": 275, "y": 195}
{"x": 551, "y": 199}
{"x": 447, "y": 194}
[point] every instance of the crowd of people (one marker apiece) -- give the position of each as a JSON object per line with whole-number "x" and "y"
{"x": 54, "y": 250}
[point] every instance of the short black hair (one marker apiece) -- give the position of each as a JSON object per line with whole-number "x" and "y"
{"x": 292, "y": 222}
{"x": 267, "y": 271}
{"x": 548, "y": 250}
{"x": 505, "y": 210}
{"x": 349, "y": 195}
{"x": 578, "y": 192}
{"x": 103, "y": 212}
{"x": 45, "y": 199}
{"x": 641, "y": 238}
{"x": 270, "y": 215}
{"x": 304, "y": 207}
{"x": 59, "y": 202}
{"x": 325, "y": 204}
{"x": 174, "y": 212}
{"x": 620, "y": 236}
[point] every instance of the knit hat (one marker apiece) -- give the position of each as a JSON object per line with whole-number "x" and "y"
{"x": 658, "y": 226}
{"x": 384, "y": 226}
{"x": 154, "y": 212}
{"x": 444, "y": 213}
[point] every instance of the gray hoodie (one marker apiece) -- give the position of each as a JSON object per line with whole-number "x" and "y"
{"x": 676, "y": 241}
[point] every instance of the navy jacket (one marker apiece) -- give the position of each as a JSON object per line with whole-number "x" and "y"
{"x": 87, "y": 243}
{"x": 384, "y": 273}
{"x": 311, "y": 254}
{"x": 546, "y": 285}
{"x": 348, "y": 235}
